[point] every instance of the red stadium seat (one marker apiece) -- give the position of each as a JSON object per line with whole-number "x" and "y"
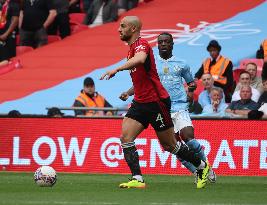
{"x": 23, "y": 49}
{"x": 53, "y": 38}
{"x": 17, "y": 40}
{"x": 199, "y": 89}
{"x": 76, "y": 27}
{"x": 244, "y": 62}
{"x": 77, "y": 17}
{"x": 236, "y": 74}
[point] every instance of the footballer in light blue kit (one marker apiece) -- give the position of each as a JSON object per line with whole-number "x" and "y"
{"x": 173, "y": 72}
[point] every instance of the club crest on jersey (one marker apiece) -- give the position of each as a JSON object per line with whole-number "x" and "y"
{"x": 166, "y": 70}
{"x": 133, "y": 70}
{"x": 140, "y": 48}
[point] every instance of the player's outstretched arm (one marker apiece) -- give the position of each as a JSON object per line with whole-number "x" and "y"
{"x": 139, "y": 58}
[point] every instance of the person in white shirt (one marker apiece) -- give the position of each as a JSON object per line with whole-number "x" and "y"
{"x": 245, "y": 79}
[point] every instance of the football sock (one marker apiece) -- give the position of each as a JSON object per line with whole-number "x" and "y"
{"x": 132, "y": 158}
{"x": 182, "y": 151}
{"x": 195, "y": 146}
{"x": 138, "y": 178}
{"x": 188, "y": 165}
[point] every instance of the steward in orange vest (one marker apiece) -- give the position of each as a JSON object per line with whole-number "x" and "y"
{"x": 262, "y": 52}
{"x": 220, "y": 68}
{"x": 89, "y": 98}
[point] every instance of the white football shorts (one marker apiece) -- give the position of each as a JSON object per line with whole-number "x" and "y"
{"x": 181, "y": 120}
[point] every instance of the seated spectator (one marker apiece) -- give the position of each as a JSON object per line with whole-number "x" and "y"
{"x": 101, "y": 12}
{"x": 256, "y": 83}
{"x": 90, "y": 98}
{"x": 220, "y": 67}
{"x": 217, "y": 106}
{"x": 35, "y": 18}
{"x": 54, "y": 112}
{"x": 258, "y": 114}
{"x": 14, "y": 113}
{"x": 204, "y": 96}
{"x": 245, "y": 79}
{"x": 263, "y": 97}
{"x": 244, "y": 105}
{"x": 9, "y": 19}
{"x": 262, "y": 52}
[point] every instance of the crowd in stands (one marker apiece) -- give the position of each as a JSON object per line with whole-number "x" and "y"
{"x": 226, "y": 91}
{"x": 31, "y": 24}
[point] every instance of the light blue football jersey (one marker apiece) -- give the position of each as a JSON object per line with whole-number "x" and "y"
{"x": 173, "y": 72}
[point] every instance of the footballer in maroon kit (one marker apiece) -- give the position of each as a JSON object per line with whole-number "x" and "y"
{"x": 151, "y": 105}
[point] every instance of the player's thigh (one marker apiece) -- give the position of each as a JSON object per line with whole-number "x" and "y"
{"x": 130, "y": 129}
{"x": 159, "y": 115}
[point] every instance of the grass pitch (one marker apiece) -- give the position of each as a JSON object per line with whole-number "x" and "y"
{"x": 84, "y": 189}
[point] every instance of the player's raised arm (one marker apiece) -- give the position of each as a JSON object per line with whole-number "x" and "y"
{"x": 137, "y": 59}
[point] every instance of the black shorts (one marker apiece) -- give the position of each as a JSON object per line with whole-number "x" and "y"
{"x": 155, "y": 113}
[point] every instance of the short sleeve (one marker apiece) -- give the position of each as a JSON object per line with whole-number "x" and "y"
{"x": 142, "y": 47}
{"x": 187, "y": 75}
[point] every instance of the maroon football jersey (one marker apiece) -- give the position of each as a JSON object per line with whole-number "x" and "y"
{"x": 146, "y": 82}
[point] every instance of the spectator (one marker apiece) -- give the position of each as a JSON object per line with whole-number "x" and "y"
{"x": 262, "y": 52}
{"x": 217, "y": 106}
{"x": 90, "y": 98}
{"x": 100, "y": 12}
{"x": 263, "y": 97}
{"x": 204, "y": 96}
{"x": 14, "y": 113}
{"x": 125, "y": 5}
{"x": 54, "y": 112}
{"x": 9, "y": 18}
{"x": 245, "y": 79}
{"x": 74, "y": 6}
{"x": 256, "y": 83}
{"x": 244, "y": 105}
{"x": 62, "y": 20}
{"x": 35, "y": 18}
{"x": 220, "y": 68}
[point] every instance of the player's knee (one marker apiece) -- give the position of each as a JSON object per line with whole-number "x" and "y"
{"x": 187, "y": 135}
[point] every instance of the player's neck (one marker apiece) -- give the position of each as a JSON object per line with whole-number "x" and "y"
{"x": 166, "y": 56}
{"x": 133, "y": 39}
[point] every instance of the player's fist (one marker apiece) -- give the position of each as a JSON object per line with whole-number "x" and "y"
{"x": 124, "y": 96}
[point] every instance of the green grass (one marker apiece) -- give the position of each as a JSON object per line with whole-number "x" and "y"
{"x": 82, "y": 189}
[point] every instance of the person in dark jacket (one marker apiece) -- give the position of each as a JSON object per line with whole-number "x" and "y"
{"x": 101, "y": 12}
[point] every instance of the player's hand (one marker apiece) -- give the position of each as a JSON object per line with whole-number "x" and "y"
{"x": 124, "y": 96}
{"x": 109, "y": 74}
{"x": 192, "y": 86}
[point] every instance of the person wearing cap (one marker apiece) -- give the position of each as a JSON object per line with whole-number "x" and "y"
{"x": 54, "y": 112}
{"x": 220, "y": 67}
{"x": 90, "y": 98}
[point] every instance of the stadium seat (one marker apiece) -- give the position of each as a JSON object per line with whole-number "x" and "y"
{"x": 23, "y": 49}
{"x": 244, "y": 62}
{"x": 236, "y": 74}
{"x": 17, "y": 40}
{"x": 77, "y": 17}
{"x": 76, "y": 27}
{"x": 53, "y": 38}
{"x": 199, "y": 89}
